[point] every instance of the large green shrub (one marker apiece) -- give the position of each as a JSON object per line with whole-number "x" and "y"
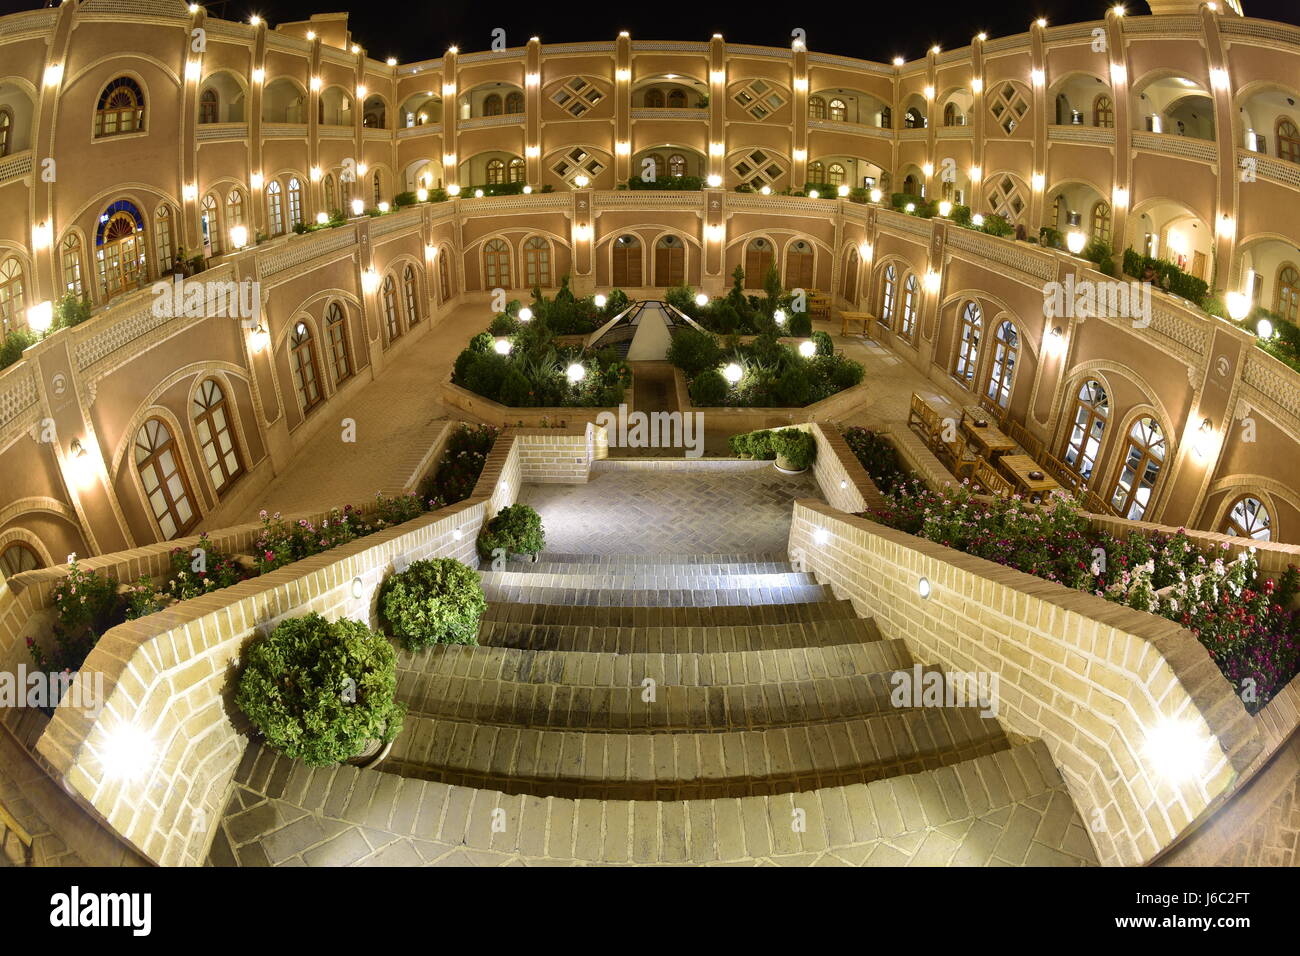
{"x": 11, "y": 349}
{"x": 438, "y": 601}
{"x": 319, "y": 690}
{"x": 795, "y": 447}
{"x": 516, "y": 529}
{"x": 709, "y": 389}
{"x": 693, "y": 351}
{"x": 753, "y": 445}
{"x": 825, "y": 344}
{"x": 793, "y": 388}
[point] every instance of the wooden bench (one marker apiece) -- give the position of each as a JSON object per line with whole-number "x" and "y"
{"x": 1020, "y": 435}
{"x": 957, "y": 457}
{"x": 923, "y": 414}
{"x": 989, "y": 481}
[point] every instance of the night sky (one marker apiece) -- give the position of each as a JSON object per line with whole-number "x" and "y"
{"x": 420, "y": 30}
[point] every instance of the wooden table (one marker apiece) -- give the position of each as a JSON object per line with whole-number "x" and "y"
{"x": 819, "y": 303}
{"x": 990, "y": 438}
{"x": 1018, "y": 467}
{"x": 865, "y": 321}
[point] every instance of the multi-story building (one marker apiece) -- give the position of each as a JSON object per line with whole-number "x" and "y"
{"x": 136, "y": 135}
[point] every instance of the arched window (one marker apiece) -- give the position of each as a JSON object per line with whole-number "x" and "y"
{"x": 670, "y": 261}
{"x": 910, "y": 185}
{"x": 496, "y": 171}
{"x": 411, "y": 292}
{"x": 913, "y": 119}
{"x": 444, "y": 275}
{"x": 377, "y": 184}
{"x": 1142, "y": 461}
{"x": 17, "y": 558}
{"x": 331, "y": 202}
{"x": 1091, "y": 409}
{"x": 496, "y": 264}
{"x": 835, "y": 174}
{"x": 1103, "y": 112}
{"x": 907, "y": 325}
{"x": 888, "y": 296}
{"x": 274, "y": 208}
{"x": 758, "y": 259}
{"x": 676, "y": 165}
{"x": 517, "y": 170}
{"x": 950, "y": 114}
{"x": 302, "y": 361}
{"x": 660, "y": 168}
{"x": 208, "y": 215}
{"x": 537, "y": 262}
{"x": 13, "y": 301}
{"x": 514, "y": 102}
{"x": 627, "y": 262}
{"x": 886, "y": 117}
{"x": 119, "y": 248}
{"x": 1249, "y": 518}
{"x": 337, "y": 333}
{"x": 1101, "y": 220}
{"x": 6, "y": 130}
{"x": 839, "y": 112}
{"x": 492, "y": 105}
{"x": 676, "y": 99}
{"x": 158, "y": 462}
{"x": 235, "y": 208}
{"x": 1002, "y": 375}
{"x": 1286, "y": 301}
{"x": 216, "y": 440}
{"x": 968, "y": 343}
{"x": 121, "y": 108}
{"x": 849, "y": 289}
{"x": 816, "y": 108}
{"x": 70, "y": 256}
{"x": 654, "y": 99}
{"x": 1288, "y": 140}
{"x": 799, "y": 265}
{"x": 391, "y": 319}
{"x": 295, "y": 202}
{"x": 817, "y": 172}
{"x": 209, "y": 106}
{"x": 162, "y": 238}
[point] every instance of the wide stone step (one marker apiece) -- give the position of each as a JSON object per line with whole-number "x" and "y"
{"x": 655, "y": 597}
{"x": 651, "y": 560}
{"x": 1010, "y": 808}
{"x": 588, "y": 669}
{"x": 647, "y": 579}
{"x": 736, "y": 615}
{"x": 680, "y": 766}
{"x": 658, "y": 570}
{"x": 651, "y": 703}
{"x": 678, "y": 640}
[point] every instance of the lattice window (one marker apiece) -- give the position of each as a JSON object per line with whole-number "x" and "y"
{"x": 12, "y": 298}
{"x": 850, "y": 287}
{"x": 577, "y": 96}
{"x": 496, "y": 263}
{"x": 6, "y": 130}
{"x": 968, "y": 343}
{"x": 816, "y": 108}
{"x": 516, "y": 172}
{"x": 235, "y": 208}
{"x": 514, "y": 102}
{"x": 670, "y": 261}
{"x": 1006, "y": 196}
{"x": 759, "y": 98}
{"x": 537, "y": 262}
{"x": 839, "y": 111}
{"x": 835, "y": 174}
{"x": 340, "y": 353}
{"x": 411, "y": 292}
{"x": 1287, "y": 299}
{"x": 1249, "y": 518}
{"x": 209, "y": 106}
{"x": 799, "y": 261}
{"x": 391, "y": 317}
{"x": 1288, "y": 141}
{"x": 496, "y": 171}
{"x": 1002, "y": 374}
{"x": 758, "y": 167}
{"x": 70, "y": 254}
{"x": 212, "y": 222}
{"x": 1091, "y": 409}
{"x": 216, "y": 440}
{"x": 626, "y": 256}
{"x": 758, "y": 259}
{"x": 275, "y": 208}
{"x": 121, "y": 108}
{"x": 16, "y": 559}
{"x": 911, "y": 297}
{"x": 888, "y": 296}
{"x": 302, "y": 361}
{"x": 1103, "y": 112}
{"x": 580, "y": 162}
{"x": 817, "y": 172}
{"x": 1008, "y": 104}
{"x": 295, "y": 202}
{"x": 1101, "y": 221}
{"x": 158, "y": 463}
{"x": 1142, "y": 461}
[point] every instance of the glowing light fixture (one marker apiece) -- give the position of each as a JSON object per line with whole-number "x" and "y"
{"x": 923, "y": 588}
{"x": 945, "y": 208}
{"x": 1075, "y": 241}
{"x": 1176, "y": 749}
{"x": 239, "y": 236}
{"x": 358, "y": 207}
{"x": 453, "y": 189}
{"x": 40, "y": 317}
{"x": 714, "y": 181}
{"x": 370, "y": 280}
{"x": 525, "y": 314}
{"x": 779, "y": 317}
{"x": 502, "y": 346}
{"x": 701, "y": 299}
{"x": 807, "y": 348}
{"x": 322, "y": 218}
{"x": 128, "y": 753}
{"x": 814, "y": 194}
{"x": 1238, "y": 305}
{"x": 876, "y": 195}
{"x": 732, "y": 373}
{"x": 575, "y": 373}
{"x": 600, "y": 301}
{"x": 422, "y": 194}
{"x": 581, "y": 181}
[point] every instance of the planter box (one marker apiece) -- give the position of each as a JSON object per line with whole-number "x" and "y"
{"x": 735, "y": 420}
{"x": 494, "y": 413}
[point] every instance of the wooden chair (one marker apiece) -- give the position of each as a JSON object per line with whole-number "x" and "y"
{"x": 1057, "y": 469}
{"x": 1095, "y": 505}
{"x": 995, "y": 411}
{"x": 1020, "y": 435}
{"x": 960, "y": 461}
{"x": 922, "y": 414}
{"x": 989, "y": 481}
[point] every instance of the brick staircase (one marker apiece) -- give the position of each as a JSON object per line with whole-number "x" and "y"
{"x": 663, "y": 708}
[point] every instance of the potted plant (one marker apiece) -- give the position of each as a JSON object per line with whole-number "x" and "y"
{"x": 322, "y": 691}
{"x": 795, "y": 450}
{"x": 438, "y": 601}
{"x": 515, "y": 529}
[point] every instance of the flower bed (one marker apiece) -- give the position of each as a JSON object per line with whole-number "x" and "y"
{"x": 88, "y": 603}
{"x": 1242, "y": 617}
